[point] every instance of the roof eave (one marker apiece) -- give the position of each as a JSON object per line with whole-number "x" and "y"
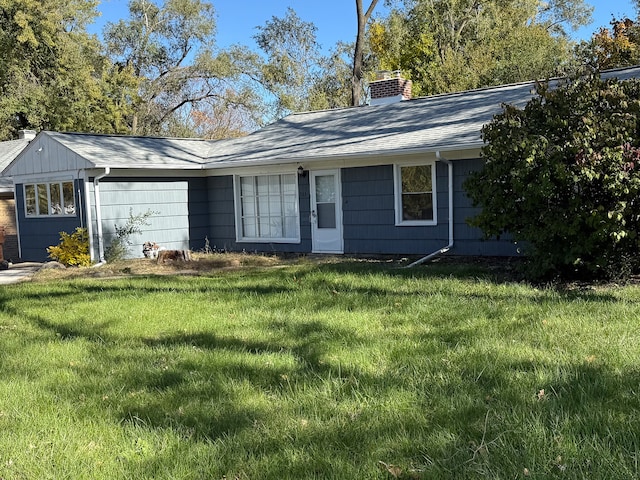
{"x": 148, "y": 166}
{"x": 473, "y": 148}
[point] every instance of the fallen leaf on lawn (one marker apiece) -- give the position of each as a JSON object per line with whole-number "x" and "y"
{"x": 393, "y": 470}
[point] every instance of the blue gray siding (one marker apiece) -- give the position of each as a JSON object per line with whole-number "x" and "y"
{"x": 369, "y": 215}
{"x": 222, "y": 230}
{"x": 469, "y": 240}
{"x": 190, "y": 210}
{"x": 38, "y": 233}
{"x": 179, "y": 209}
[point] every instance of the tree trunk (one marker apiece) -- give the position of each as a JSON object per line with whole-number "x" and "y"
{"x": 358, "y": 55}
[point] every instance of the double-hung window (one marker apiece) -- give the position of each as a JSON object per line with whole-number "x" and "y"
{"x": 267, "y": 208}
{"x": 415, "y": 194}
{"x": 49, "y": 199}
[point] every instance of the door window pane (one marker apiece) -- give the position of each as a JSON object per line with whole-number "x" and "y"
{"x": 326, "y": 215}
{"x": 325, "y": 189}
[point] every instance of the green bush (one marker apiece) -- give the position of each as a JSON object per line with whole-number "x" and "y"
{"x": 563, "y": 175}
{"x": 73, "y": 250}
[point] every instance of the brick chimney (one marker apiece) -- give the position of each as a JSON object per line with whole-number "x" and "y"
{"x": 26, "y": 134}
{"x": 389, "y": 87}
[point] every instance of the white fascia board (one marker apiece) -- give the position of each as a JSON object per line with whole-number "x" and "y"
{"x": 47, "y": 177}
{"x": 454, "y": 152}
{"x": 148, "y": 172}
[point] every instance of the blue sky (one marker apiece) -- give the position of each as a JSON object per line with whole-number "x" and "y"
{"x": 335, "y": 19}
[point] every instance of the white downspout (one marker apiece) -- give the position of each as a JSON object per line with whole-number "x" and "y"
{"x": 450, "y": 244}
{"x": 15, "y": 207}
{"x": 87, "y": 209}
{"x": 96, "y": 192}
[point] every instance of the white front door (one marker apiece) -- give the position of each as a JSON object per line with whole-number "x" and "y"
{"x": 326, "y": 212}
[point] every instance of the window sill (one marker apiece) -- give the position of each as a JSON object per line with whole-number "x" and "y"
{"x": 417, "y": 223}
{"x": 268, "y": 240}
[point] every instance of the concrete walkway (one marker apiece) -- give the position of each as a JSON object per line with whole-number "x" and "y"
{"x": 19, "y": 272}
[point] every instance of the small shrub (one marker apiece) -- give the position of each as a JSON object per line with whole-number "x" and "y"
{"x": 119, "y": 247}
{"x": 73, "y": 249}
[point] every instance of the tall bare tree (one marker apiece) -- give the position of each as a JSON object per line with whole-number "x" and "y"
{"x": 358, "y": 56}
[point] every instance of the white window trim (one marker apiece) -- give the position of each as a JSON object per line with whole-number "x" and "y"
{"x": 238, "y": 210}
{"x": 397, "y": 192}
{"x": 48, "y": 184}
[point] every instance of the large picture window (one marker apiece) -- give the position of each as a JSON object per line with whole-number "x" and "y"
{"x": 267, "y": 208}
{"x": 49, "y": 199}
{"x": 415, "y": 194}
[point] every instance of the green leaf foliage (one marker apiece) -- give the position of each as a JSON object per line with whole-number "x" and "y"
{"x": 296, "y": 73}
{"x": 453, "y": 45}
{"x": 52, "y": 74}
{"x": 73, "y": 249}
{"x": 563, "y": 175}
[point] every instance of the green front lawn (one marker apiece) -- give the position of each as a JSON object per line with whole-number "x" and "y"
{"x": 349, "y": 370}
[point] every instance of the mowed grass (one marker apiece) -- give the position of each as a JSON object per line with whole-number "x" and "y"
{"x": 346, "y": 370}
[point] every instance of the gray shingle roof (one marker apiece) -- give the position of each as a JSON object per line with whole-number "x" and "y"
{"x": 431, "y": 123}
{"x": 134, "y": 152}
{"x": 8, "y": 151}
{"x": 441, "y": 122}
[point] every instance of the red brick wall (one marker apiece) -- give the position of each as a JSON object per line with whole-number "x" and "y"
{"x": 390, "y": 88}
{"x": 8, "y": 220}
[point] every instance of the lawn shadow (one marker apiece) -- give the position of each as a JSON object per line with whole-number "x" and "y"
{"x": 473, "y": 272}
{"x": 449, "y": 420}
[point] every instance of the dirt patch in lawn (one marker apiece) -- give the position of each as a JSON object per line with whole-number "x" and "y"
{"x": 498, "y": 268}
{"x": 200, "y": 264}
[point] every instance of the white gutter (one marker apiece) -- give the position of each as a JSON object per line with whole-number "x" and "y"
{"x": 96, "y": 192}
{"x": 15, "y": 207}
{"x": 274, "y": 160}
{"x": 450, "y": 244}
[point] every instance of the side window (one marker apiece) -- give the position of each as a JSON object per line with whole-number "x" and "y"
{"x": 415, "y": 194}
{"x": 49, "y": 199}
{"x": 30, "y": 199}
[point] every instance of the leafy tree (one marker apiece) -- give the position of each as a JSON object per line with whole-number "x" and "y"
{"x": 332, "y": 89}
{"x": 52, "y": 75}
{"x": 219, "y": 120}
{"x": 170, "y": 48}
{"x": 295, "y": 71}
{"x": 563, "y": 175}
{"x": 398, "y": 44}
{"x": 293, "y": 62}
{"x": 452, "y": 45}
{"x": 618, "y": 46}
